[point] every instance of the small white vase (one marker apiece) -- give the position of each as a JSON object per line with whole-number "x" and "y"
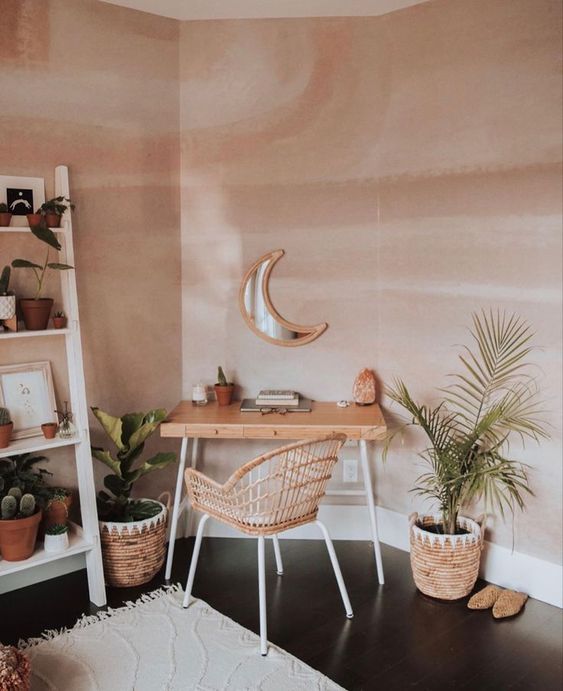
{"x": 56, "y": 543}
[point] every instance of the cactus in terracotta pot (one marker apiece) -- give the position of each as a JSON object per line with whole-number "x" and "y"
{"x": 19, "y": 524}
{"x": 223, "y": 388}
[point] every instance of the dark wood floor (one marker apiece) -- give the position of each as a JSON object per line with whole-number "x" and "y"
{"x": 398, "y": 639}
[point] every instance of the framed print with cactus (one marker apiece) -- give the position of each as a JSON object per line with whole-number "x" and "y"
{"x": 27, "y": 391}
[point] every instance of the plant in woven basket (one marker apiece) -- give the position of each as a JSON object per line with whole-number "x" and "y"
{"x": 129, "y": 434}
{"x": 492, "y": 399}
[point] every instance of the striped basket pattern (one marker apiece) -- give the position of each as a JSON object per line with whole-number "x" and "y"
{"x": 445, "y": 566}
{"x": 133, "y": 553}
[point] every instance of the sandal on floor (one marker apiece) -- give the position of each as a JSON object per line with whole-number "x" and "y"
{"x": 485, "y": 598}
{"x": 508, "y": 604}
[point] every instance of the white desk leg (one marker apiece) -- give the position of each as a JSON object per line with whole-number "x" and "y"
{"x": 175, "y": 510}
{"x": 190, "y": 520}
{"x": 368, "y": 486}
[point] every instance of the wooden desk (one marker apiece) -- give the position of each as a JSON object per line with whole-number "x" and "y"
{"x": 187, "y": 421}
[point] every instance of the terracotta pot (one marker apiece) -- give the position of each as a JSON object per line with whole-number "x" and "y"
{"x": 53, "y": 220}
{"x": 224, "y": 394}
{"x": 6, "y": 434}
{"x": 18, "y": 537}
{"x": 33, "y": 219}
{"x": 36, "y": 313}
{"x": 49, "y": 430}
{"x": 56, "y": 512}
{"x": 5, "y": 219}
{"x": 59, "y": 322}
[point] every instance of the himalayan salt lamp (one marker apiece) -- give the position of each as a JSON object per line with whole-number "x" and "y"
{"x": 363, "y": 392}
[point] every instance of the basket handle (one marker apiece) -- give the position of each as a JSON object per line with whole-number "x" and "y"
{"x": 166, "y": 499}
{"x": 413, "y": 517}
{"x": 481, "y": 521}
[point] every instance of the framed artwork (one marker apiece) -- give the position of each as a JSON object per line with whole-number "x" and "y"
{"x": 22, "y": 195}
{"x": 27, "y": 391}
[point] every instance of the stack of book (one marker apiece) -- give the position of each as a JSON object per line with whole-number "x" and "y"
{"x": 277, "y": 398}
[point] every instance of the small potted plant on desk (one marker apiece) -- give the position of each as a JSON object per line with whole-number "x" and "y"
{"x": 493, "y": 399}
{"x": 223, "y": 388}
{"x": 20, "y": 518}
{"x": 36, "y": 310}
{"x": 132, "y": 531}
{"x": 5, "y": 215}
{"x": 53, "y": 210}
{"x": 6, "y": 427}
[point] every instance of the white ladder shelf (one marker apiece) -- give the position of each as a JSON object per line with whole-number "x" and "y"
{"x": 85, "y": 539}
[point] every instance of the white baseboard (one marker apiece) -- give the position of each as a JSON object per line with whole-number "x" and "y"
{"x": 540, "y": 579}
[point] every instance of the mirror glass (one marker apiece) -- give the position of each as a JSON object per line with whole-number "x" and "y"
{"x": 259, "y": 312}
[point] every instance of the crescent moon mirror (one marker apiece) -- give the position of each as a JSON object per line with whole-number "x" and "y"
{"x": 261, "y": 315}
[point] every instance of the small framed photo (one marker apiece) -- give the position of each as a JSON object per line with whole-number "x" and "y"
{"x": 22, "y": 195}
{"x": 27, "y": 392}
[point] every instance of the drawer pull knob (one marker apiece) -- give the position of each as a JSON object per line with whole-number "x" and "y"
{"x": 215, "y": 431}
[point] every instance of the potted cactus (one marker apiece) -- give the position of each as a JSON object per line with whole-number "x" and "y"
{"x": 7, "y": 299}
{"x": 6, "y": 427}
{"x": 56, "y": 538}
{"x": 53, "y": 210}
{"x": 5, "y": 215}
{"x": 223, "y": 388}
{"x": 57, "y": 506}
{"x": 59, "y": 320}
{"x": 36, "y": 310}
{"x": 20, "y": 518}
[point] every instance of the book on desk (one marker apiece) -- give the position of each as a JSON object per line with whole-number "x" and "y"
{"x": 276, "y": 400}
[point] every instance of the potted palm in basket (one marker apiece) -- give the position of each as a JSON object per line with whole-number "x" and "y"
{"x": 491, "y": 400}
{"x": 132, "y": 531}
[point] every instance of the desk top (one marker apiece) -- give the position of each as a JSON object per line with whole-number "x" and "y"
{"x": 227, "y": 422}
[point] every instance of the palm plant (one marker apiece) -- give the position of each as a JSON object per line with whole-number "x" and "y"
{"x": 493, "y": 398}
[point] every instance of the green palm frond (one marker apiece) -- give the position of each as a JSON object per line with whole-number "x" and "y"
{"x": 493, "y": 398}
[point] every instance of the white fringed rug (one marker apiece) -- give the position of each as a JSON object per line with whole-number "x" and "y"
{"x": 156, "y": 645}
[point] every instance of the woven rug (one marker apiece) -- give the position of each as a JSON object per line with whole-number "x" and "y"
{"x": 154, "y": 644}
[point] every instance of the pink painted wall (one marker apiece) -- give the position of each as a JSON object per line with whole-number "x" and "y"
{"x": 410, "y": 167}
{"x": 95, "y": 87}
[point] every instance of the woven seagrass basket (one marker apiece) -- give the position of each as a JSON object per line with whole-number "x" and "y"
{"x": 134, "y": 552}
{"x": 445, "y": 566}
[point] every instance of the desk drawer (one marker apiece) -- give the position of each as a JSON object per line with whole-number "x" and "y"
{"x": 215, "y": 431}
{"x": 295, "y": 433}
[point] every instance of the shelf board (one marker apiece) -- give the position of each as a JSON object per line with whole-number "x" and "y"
{"x": 78, "y": 544}
{"x": 26, "y": 229}
{"x": 32, "y": 334}
{"x": 35, "y": 444}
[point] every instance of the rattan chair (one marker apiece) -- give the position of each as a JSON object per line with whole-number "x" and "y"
{"x": 272, "y": 493}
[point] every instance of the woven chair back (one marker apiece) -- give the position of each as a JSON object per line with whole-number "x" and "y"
{"x": 275, "y": 491}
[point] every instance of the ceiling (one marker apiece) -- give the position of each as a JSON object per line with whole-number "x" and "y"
{"x": 258, "y": 9}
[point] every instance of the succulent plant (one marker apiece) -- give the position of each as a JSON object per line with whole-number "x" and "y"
{"x": 9, "y": 507}
{"x": 59, "y": 315}
{"x": 5, "y": 280}
{"x": 221, "y": 378}
{"x": 5, "y": 418}
{"x": 57, "y": 205}
{"x": 14, "y": 505}
{"x": 27, "y": 505}
{"x": 57, "y": 529}
{"x": 4, "y": 208}
{"x": 15, "y": 492}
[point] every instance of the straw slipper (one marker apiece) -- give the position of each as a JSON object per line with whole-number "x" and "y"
{"x": 485, "y": 598}
{"x": 508, "y": 604}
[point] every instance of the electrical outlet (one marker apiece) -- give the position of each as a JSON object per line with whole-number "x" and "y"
{"x": 350, "y": 470}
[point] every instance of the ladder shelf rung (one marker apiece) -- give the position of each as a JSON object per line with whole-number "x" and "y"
{"x": 33, "y": 334}
{"x": 34, "y": 444}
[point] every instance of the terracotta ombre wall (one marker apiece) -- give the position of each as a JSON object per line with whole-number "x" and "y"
{"x": 410, "y": 167}
{"x": 95, "y": 87}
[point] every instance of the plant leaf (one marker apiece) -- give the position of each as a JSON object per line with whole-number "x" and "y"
{"x": 107, "y": 458}
{"x": 112, "y": 426}
{"x": 160, "y": 460}
{"x": 24, "y": 264}
{"x": 46, "y": 235}
{"x": 59, "y": 266}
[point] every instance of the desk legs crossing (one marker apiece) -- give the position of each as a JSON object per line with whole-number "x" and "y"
{"x": 368, "y": 484}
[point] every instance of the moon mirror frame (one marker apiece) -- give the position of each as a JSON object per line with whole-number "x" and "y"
{"x": 259, "y": 312}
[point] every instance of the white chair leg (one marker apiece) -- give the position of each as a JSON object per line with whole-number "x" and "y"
{"x": 337, "y": 572}
{"x": 277, "y": 552}
{"x": 195, "y": 557}
{"x": 262, "y": 596}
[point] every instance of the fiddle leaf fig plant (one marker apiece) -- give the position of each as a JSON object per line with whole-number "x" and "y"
{"x": 129, "y": 434}
{"x": 492, "y": 399}
{"x": 46, "y": 236}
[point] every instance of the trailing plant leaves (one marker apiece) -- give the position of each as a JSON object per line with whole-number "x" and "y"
{"x": 59, "y": 266}
{"x": 25, "y": 264}
{"x": 46, "y": 235}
